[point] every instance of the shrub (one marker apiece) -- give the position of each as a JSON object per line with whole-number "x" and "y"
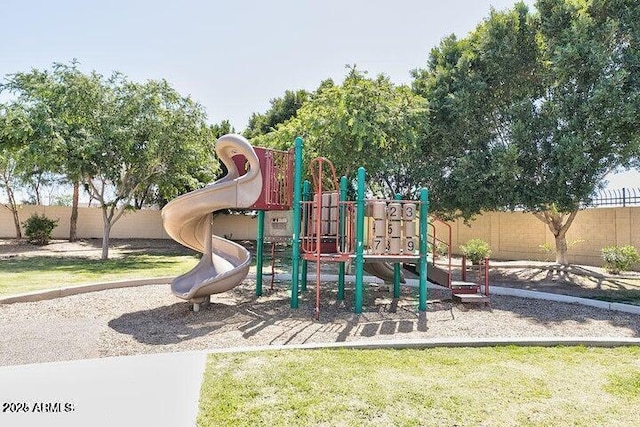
{"x": 442, "y": 249}
{"x": 476, "y": 250}
{"x": 547, "y": 250}
{"x": 38, "y": 229}
{"x": 619, "y": 258}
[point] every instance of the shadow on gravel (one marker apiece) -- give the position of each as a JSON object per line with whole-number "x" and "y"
{"x": 240, "y": 318}
{"x": 550, "y": 313}
{"x": 270, "y": 320}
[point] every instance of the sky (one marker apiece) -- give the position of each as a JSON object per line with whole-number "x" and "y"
{"x": 234, "y": 56}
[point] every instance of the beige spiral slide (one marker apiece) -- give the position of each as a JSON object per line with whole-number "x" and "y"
{"x": 187, "y": 219}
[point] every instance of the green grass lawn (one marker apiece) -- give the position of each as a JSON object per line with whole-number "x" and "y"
{"x": 18, "y": 275}
{"x": 504, "y": 386}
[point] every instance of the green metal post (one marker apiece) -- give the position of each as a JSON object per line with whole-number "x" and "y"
{"x": 259, "y": 253}
{"x": 295, "y": 241}
{"x": 359, "y": 241}
{"x": 396, "y": 268}
{"x": 306, "y": 196}
{"x": 424, "y": 219}
{"x": 341, "y": 235}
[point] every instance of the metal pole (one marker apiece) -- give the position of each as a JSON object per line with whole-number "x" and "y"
{"x": 341, "y": 235}
{"x": 259, "y": 252}
{"x": 396, "y": 268}
{"x": 464, "y": 268}
{"x": 424, "y": 219}
{"x": 486, "y": 276}
{"x": 359, "y": 241}
{"x": 273, "y": 264}
{"x": 295, "y": 241}
{"x": 306, "y": 196}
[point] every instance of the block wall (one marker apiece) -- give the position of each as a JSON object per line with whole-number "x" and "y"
{"x": 519, "y": 235}
{"x": 141, "y": 224}
{"x": 511, "y": 235}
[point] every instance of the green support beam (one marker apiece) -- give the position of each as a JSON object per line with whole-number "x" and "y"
{"x": 360, "y": 241}
{"x": 295, "y": 241}
{"x": 424, "y": 220}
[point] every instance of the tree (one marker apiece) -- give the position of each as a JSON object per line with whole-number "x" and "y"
{"x": 127, "y": 144}
{"x": 61, "y": 105}
{"x": 185, "y": 144}
{"x": 8, "y": 181}
{"x": 533, "y": 111}
{"x": 14, "y": 132}
{"x": 149, "y": 139}
{"x": 220, "y": 129}
{"x": 281, "y": 110}
{"x": 363, "y": 122}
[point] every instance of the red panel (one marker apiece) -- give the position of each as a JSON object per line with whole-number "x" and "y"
{"x": 277, "y": 178}
{"x": 241, "y": 163}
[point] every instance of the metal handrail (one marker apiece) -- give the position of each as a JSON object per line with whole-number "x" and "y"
{"x": 435, "y": 240}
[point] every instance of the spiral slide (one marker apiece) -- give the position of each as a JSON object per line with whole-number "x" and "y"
{"x": 187, "y": 219}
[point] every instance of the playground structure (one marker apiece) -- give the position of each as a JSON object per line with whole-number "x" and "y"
{"x": 326, "y": 227}
{"x": 254, "y": 180}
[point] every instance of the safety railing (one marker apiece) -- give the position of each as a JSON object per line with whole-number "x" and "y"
{"x": 481, "y": 273}
{"x": 437, "y": 243}
{"x": 278, "y": 176}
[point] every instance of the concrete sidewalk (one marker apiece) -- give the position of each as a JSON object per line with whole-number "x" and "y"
{"x": 148, "y": 390}
{"x": 164, "y": 389}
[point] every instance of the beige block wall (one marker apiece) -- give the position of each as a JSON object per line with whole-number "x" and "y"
{"x": 236, "y": 226}
{"x": 135, "y": 224}
{"x": 511, "y": 235}
{"x": 518, "y": 235}
{"x": 141, "y": 224}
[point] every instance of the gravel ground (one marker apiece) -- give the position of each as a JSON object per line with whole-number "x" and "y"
{"x": 149, "y": 319}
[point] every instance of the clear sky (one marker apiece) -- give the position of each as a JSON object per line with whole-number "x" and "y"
{"x": 234, "y": 56}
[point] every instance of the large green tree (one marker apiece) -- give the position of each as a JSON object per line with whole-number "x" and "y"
{"x": 219, "y": 129}
{"x": 15, "y": 131}
{"x": 365, "y": 121}
{"x": 62, "y": 107}
{"x": 150, "y": 142}
{"x": 531, "y": 111}
{"x": 281, "y": 110}
{"x": 128, "y": 144}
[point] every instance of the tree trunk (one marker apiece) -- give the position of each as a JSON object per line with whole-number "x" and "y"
{"x": 110, "y": 215}
{"x": 16, "y": 223}
{"x": 13, "y": 206}
{"x": 561, "y": 249}
{"x": 558, "y": 228}
{"x": 106, "y": 231}
{"x": 73, "y": 221}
